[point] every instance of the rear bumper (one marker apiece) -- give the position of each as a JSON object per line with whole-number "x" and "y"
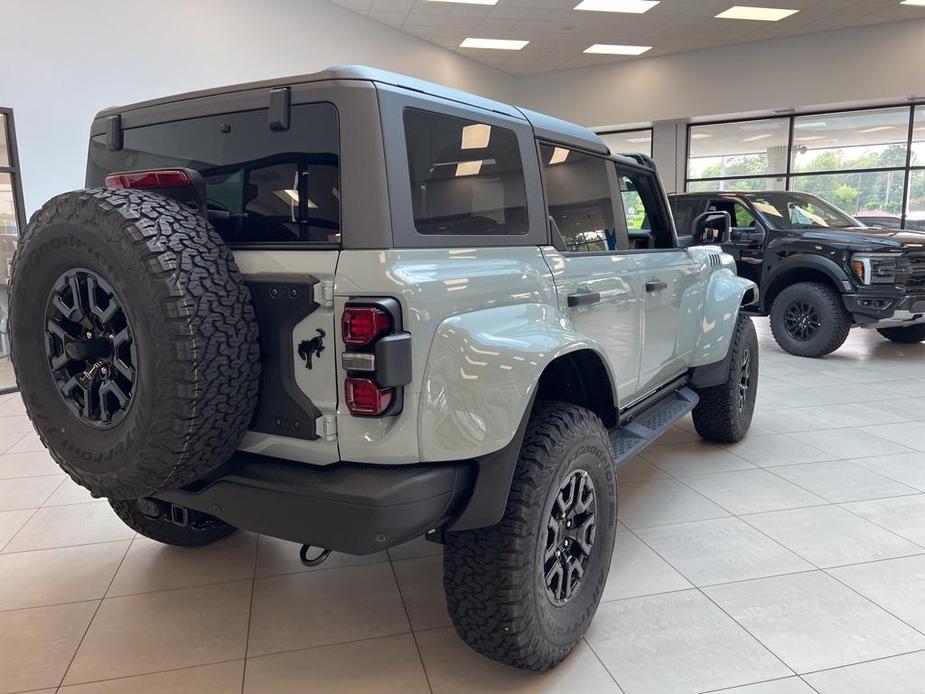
{"x": 874, "y": 311}
{"x": 348, "y": 507}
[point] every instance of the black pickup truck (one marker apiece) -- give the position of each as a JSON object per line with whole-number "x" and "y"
{"x": 820, "y": 271}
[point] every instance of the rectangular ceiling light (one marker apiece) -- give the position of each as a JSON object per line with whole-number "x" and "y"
{"x": 628, "y": 6}
{"x": 877, "y": 129}
{"x": 468, "y": 168}
{"x": 617, "y": 49}
{"x": 700, "y": 136}
{"x": 809, "y": 138}
{"x": 475, "y": 136}
{"x": 470, "y": 2}
{"x": 755, "y": 138}
{"x": 914, "y": 3}
{"x": 760, "y": 14}
{"x": 498, "y": 44}
{"x": 638, "y": 140}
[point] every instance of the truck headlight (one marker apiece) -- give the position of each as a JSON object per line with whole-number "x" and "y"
{"x": 875, "y": 268}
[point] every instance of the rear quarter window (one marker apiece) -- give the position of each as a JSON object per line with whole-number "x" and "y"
{"x": 262, "y": 186}
{"x": 466, "y": 177}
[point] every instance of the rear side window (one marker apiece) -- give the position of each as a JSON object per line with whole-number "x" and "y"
{"x": 579, "y": 200}
{"x": 466, "y": 177}
{"x": 262, "y": 186}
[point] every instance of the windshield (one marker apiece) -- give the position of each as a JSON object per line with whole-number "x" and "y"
{"x": 801, "y": 211}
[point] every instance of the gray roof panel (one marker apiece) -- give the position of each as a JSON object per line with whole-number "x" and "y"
{"x": 545, "y": 127}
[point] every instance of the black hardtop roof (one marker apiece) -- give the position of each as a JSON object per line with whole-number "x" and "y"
{"x": 545, "y": 127}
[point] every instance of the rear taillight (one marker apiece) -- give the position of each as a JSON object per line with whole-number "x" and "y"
{"x": 363, "y": 324}
{"x": 366, "y": 397}
{"x": 162, "y": 178}
{"x": 377, "y": 357}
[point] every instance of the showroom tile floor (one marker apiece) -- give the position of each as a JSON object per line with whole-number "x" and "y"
{"x": 790, "y": 563}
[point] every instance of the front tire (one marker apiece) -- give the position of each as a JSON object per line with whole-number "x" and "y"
{"x": 151, "y": 518}
{"x": 908, "y": 335}
{"x": 808, "y": 319}
{"x": 724, "y": 413}
{"x": 513, "y": 590}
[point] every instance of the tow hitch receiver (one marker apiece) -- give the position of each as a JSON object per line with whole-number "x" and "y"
{"x": 316, "y": 561}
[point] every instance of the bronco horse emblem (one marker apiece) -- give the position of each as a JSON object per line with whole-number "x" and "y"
{"x": 312, "y": 348}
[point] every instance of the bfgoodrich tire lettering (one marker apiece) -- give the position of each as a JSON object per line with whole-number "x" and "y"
{"x": 724, "y": 413}
{"x": 494, "y": 580}
{"x": 195, "y": 338}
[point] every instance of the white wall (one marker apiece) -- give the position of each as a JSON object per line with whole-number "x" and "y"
{"x": 63, "y": 60}
{"x": 878, "y": 63}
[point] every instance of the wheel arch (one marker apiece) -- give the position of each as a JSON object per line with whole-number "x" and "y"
{"x": 802, "y": 268}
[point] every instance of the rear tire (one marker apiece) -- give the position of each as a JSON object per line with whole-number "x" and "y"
{"x": 202, "y": 529}
{"x": 504, "y": 588}
{"x": 808, "y": 319}
{"x": 908, "y": 335}
{"x": 724, "y": 413}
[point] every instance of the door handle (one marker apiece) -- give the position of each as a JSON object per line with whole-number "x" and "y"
{"x": 656, "y": 286}
{"x": 583, "y": 298}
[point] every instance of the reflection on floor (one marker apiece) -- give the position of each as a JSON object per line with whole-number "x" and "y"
{"x": 795, "y": 559}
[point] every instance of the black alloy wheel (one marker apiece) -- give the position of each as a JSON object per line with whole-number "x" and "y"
{"x": 801, "y": 320}
{"x": 570, "y": 530}
{"x": 90, "y": 347}
{"x": 745, "y": 378}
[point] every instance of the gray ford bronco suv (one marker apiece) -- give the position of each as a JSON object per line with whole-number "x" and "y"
{"x": 352, "y": 308}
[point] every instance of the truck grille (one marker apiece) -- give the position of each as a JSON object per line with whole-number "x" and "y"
{"x": 916, "y": 271}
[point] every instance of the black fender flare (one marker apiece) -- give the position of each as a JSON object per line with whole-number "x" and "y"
{"x": 805, "y": 260}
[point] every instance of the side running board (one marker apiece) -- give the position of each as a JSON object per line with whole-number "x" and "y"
{"x": 648, "y": 424}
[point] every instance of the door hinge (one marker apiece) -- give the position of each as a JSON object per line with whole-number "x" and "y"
{"x": 326, "y": 426}
{"x": 326, "y": 293}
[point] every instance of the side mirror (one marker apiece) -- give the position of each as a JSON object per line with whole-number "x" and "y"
{"x": 712, "y": 227}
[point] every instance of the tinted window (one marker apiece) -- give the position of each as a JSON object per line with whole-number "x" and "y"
{"x": 741, "y": 217}
{"x": 466, "y": 177}
{"x": 262, "y": 186}
{"x": 684, "y": 211}
{"x": 646, "y": 222}
{"x": 579, "y": 199}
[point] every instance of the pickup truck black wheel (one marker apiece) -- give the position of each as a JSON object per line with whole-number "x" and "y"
{"x": 524, "y": 591}
{"x": 171, "y": 525}
{"x": 724, "y": 412}
{"x": 134, "y": 341}
{"x": 907, "y": 335}
{"x": 808, "y": 319}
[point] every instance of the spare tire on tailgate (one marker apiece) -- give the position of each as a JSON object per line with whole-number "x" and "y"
{"x": 133, "y": 339}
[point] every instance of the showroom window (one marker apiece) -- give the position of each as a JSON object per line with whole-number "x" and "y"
{"x": 868, "y": 162}
{"x": 741, "y": 155}
{"x": 466, "y": 177}
{"x": 629, "y": 141}
{"x": 11, "y": 221}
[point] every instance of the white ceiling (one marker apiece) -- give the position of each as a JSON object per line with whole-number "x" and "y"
{"x": 558, "y": 33}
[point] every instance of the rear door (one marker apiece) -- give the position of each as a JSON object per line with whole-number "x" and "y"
{"x": 597, "y": 281}
{"x": 673, "y": 284}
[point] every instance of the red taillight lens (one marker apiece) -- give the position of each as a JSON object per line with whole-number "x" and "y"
{"x": 363, "y": 324}
{"x": 164, "y": 178}
{"x": 366, "y": 397}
